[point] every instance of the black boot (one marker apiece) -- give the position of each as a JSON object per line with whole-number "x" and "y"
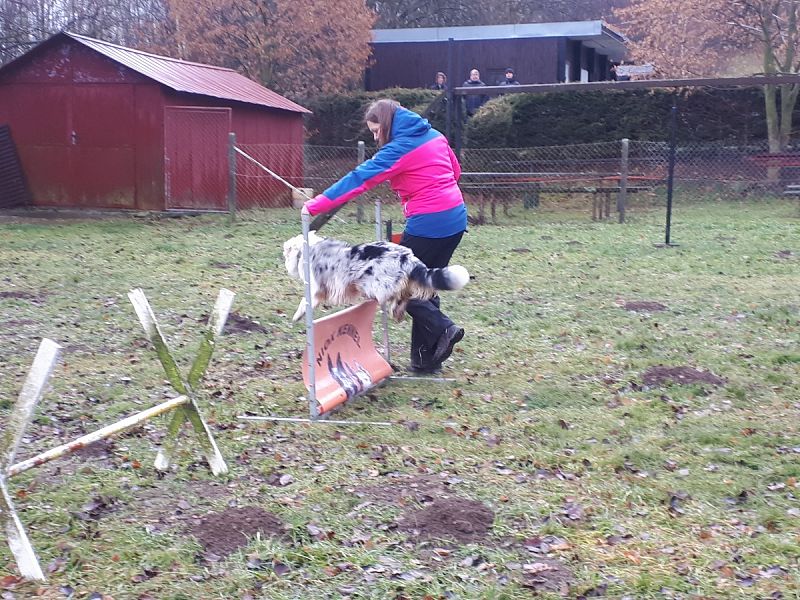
{"x": 447, "y": 341}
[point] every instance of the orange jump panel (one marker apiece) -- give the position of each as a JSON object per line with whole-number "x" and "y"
{"x": 346, "y": 361}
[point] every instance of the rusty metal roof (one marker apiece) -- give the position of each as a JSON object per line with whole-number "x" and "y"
{"x": 189, "y": 77}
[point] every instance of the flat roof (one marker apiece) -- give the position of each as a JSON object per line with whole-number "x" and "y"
{"x": 496, "y": 32}
{"x": 594, "y": 34}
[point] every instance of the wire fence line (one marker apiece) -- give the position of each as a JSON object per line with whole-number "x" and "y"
{"x": 606, "y": 174}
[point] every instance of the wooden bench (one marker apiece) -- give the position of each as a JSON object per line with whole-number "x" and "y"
{"x": 792, "y": 190}
{"x": 601, "y": 187}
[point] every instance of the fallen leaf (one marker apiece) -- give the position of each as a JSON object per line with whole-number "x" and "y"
{"x": 9, "y": 581}
{"x": 538, "y": 567}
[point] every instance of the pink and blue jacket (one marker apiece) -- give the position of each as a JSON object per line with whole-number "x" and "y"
{"x": 418, "y": 163}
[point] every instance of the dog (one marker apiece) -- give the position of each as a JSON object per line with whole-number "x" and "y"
{"x": 383, "y": 271}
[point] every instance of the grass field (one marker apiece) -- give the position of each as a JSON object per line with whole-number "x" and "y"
{"x": 562, "y": 462}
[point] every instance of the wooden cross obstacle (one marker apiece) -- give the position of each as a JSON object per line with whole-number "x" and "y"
{"x": 183, "y": 407}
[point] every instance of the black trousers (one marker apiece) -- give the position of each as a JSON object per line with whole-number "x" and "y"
{"x": 428, "y": 322}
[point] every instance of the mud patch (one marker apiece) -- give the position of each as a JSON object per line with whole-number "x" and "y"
{"x": 95, "y": 450}
{"x": 644, "y": 306}
{"x": 655, "y": 376}
{"x": 239, "y": 324}
{"x": 20, "y": 295}
{"x": 224, "y": 532}
{"x": 450, "y": 519}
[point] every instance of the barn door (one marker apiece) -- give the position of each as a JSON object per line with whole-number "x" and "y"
{"x": 196, "y": 157}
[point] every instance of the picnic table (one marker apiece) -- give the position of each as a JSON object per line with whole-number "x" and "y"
{"x": 489, "y": 186}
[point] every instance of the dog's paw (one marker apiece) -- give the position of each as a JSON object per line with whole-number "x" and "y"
{"x": 301, "y": 310}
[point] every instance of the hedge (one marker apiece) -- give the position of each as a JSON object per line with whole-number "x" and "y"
{"x": 733, "y": 117}
{"x": 527, "y": 120}
{"x": 338, "y": 120}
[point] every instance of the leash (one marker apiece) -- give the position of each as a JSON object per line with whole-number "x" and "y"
{"x": 321, "y": 219}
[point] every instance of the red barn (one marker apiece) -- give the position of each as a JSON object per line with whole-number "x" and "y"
{"x": 98, "y": 125}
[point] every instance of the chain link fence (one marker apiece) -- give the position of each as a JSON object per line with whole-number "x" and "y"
{"x": 310, "y": 169}
{"x": 605, "y": 177}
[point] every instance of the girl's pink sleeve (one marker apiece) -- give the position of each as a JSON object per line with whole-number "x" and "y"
{"x": 454, "y": 162}
{"x": 317, "y": 205}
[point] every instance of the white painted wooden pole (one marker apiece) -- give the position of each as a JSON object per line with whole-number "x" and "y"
{"x": 100, "y": 434}
{"x": 21, "y": 415}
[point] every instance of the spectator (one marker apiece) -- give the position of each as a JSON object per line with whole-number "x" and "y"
{"x": 473, "y": 102}
{"x": 440, "y": 83}
{"x": 510, "y": 78}
{"x": 618, "y": 74}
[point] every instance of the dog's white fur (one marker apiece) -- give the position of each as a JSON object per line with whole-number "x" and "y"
{"x": 383, "y": 271}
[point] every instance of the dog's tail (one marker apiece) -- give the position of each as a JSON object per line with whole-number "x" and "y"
{"x": 449, "y": 278}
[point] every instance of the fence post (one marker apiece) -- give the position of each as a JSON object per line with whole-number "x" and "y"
{"x": 673, "y": 136}
{"x": 459, "y": 125}
{"x": 231, "y": 176}
{"x": 362, "y": 153}
{"x": 622, "y": 198}
{"x": 448, "y": 111}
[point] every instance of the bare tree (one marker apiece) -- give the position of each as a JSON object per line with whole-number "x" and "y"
{"x": 444, "y": 13}
{"x": 686, "y": 37}
{"x": 25, "y": 23}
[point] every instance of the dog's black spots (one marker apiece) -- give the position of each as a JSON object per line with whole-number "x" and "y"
{"x": 368, "y": 271}
{"x": 439, "y": 279}
{"x": 403, "y": 259}
{"x": 368, "y": 252}
{"x": 419, "y": 274}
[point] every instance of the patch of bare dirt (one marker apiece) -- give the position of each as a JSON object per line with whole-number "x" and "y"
{"x": 224, "y": 532}
{"x": 449, "y": 518}
{"x": 21, "y": 295}
{"x": 98, "y": 449}
{"x": 644, "y": 306}
{"x": 784, "y": 254}
{"x": 238, "y": 324}
{"x": 659, "y": 375}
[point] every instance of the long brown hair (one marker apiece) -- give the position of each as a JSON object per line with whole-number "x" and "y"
{"x": 382, "y": 113}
